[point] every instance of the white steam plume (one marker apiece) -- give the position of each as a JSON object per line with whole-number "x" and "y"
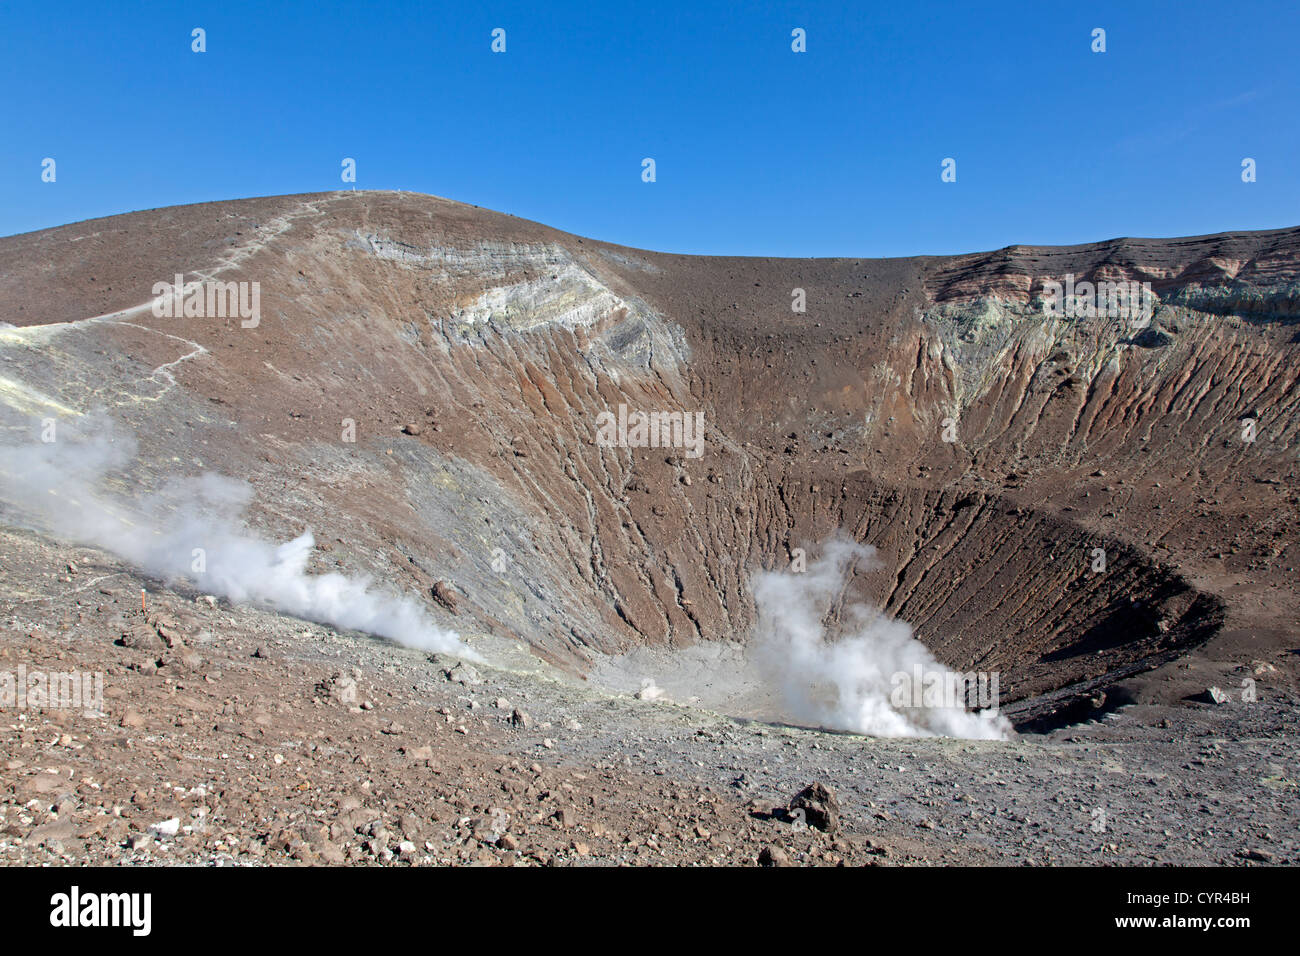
{"x": 854, "y": 683}
{"x": 63, "y": 487}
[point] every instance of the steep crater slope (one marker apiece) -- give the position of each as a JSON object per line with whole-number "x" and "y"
{"x": 425, "y": 384}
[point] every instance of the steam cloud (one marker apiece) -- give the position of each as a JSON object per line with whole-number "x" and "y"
{"x": 851, "y": 683}
{"x": 63, "y": 487}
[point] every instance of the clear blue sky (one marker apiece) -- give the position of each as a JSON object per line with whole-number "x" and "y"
{"x": 759, "y": 150}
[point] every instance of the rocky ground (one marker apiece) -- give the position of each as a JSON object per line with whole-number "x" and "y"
{"x": 1105, "y": 514}
{"x": 231, "y": 735}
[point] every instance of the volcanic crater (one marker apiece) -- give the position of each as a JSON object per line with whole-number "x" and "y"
{"x": 423, "y": 384}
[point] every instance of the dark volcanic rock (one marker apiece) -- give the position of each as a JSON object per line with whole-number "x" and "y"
{"x": 820, "y": 808}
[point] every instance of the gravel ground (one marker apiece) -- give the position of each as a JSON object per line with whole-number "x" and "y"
{"x": 271, "y": 740}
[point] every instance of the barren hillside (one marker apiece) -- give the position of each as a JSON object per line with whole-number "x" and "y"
{"x": 473, "y": 354}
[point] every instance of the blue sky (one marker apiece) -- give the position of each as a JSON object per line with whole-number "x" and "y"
{"x": 758, "y": 150}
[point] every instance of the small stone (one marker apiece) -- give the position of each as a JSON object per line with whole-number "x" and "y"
{"x": 165, "y": 828}
{"x": 464, "y": 675}
{"x": 773, "y": 856}
{"x": 444, "y": 594}
{"x": 820, "y": 808}
{"x": 331, "y": 854}
{"x": 54, "y": 832}
{"x": 139, "y": 636}
{"x": 339, "y": 688}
